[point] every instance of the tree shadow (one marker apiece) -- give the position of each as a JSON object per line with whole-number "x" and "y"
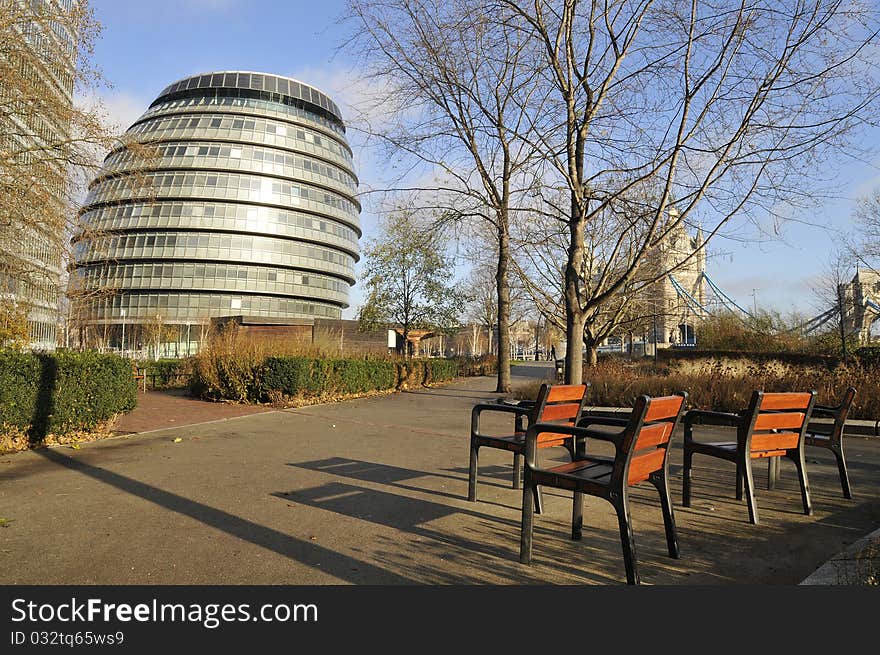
{"x": 44, "y": 408}
{"x": 304, "y": 552}
{"x": 436, "y": 548}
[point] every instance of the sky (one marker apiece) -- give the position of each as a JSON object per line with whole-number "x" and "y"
{"x": 146, "y": 45}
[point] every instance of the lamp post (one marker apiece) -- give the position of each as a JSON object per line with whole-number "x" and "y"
{"x": 187, "y": 338}
{"x": 122, "y": 311}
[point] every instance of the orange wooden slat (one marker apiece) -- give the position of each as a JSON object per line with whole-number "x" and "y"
{"x": 566, "y": 392}
{"x": 559, "y": 412}
{"x": 776, "y": 441}
{"x": 653, "y": 435}
{"x": 766, "y": 453}
{"x": 641, "y": 466}
{"x": 664, "y": 407}
{"x": 547, "y": 439}
{"x": 785, "y": 400}
{"x": 780, "y": 421}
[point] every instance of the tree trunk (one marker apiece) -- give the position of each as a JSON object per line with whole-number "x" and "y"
{"x": 503, "y": 291}
{"x": 591, "y": 346}
{"x": 575, "y": 317}
{"x": 574, "y": 334}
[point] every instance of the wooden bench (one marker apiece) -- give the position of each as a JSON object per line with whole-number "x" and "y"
{"x": 641, "y": 454}
{"x": 773, "y": 425}
{"x": 830, "y": 437}
{"x": 555, "y": 403}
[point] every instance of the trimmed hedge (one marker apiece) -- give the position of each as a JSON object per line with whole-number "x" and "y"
{"x": 54, "y": 394}
{"x": 307, "y": 376}
{"x": 167, "y": 373}
{"x": 225, "y": 377}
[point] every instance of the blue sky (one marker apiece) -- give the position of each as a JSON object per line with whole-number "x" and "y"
{"x": 146, "y": 45}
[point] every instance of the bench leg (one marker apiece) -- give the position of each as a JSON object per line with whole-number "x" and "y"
{"x": 686, "y": 478}
{"x": 801, "y": 464}
{"x": 740, "y": 477}
{"x": 661, "y": 482}
{"x": 472, "y": 473}
{"x": 773, "y": 472}
{"x": 525, "y": 540}
{"x": 577, "y": 516}
{"x": 626, "y": 539}
{"x": 749, "y": 485}
{"x": 837, "y": 449}
{"x": 517, "y": 469}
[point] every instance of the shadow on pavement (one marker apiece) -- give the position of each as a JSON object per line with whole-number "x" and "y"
{"x": 283, "y": 544}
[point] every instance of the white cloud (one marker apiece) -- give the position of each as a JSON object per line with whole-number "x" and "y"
{"x": 117, "y": 109}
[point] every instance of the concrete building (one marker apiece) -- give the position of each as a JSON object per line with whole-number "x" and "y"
{"x": 238, "y": 199}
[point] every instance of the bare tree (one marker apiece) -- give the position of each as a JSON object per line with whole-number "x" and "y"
{"x": 867, "y": 248}
{"x": 457, "y": 91}
{"x": 721, "y": 110}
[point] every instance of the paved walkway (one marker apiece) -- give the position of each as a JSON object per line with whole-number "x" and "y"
{"x": 373, "y": 491}
{"x": 173, "y": 408}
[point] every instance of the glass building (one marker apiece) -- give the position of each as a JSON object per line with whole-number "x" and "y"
{"x": 38, "y": 41}
{"x": 233, "y": 194}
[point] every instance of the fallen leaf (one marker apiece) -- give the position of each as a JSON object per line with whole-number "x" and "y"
{"x": 4, "y": 523}
{"x": 177, "y": 440}
{"x": 75, "y": 446}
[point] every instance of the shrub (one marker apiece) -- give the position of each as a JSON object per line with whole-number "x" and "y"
{"x": 168, "y": 373}
{"x": 307, "y": 376}
{"x": 722, "y": 387}
{"x": 47, "y": 395}
{"x": 441, "y": 370}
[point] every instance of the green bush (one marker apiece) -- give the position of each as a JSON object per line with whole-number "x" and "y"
{"x": 441, "y": 370}
{"x": 307, "y": 376}
{"x": 167, "y": 373}
{"x": 245, "y": 379}
{"x": 43, "y": 394}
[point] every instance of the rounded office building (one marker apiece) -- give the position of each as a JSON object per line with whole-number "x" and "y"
{"x": 233, "y": 194}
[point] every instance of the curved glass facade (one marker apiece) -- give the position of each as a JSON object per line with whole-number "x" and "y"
{"x": 234, "y": 193}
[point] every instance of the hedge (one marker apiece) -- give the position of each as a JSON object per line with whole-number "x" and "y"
{"x": 167, "y": 373}
{"x": 54, "y": 394}
{"x": 307, "y": 376}
{"x": 225, "y": 377}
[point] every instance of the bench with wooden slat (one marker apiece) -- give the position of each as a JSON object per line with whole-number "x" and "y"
{"x": 772, "y": 426}
{"x": 830, "y": 436}
{"x": 641, "y": 453}
{"x": 556, "y": 404}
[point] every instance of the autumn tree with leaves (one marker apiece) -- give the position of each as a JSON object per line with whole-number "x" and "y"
{"x": 407, "y": 276}
{"x": 49, "y": 144}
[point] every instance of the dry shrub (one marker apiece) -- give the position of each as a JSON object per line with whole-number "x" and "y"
{"x": 727, "y": 387}
{"x": 724, "y": 385}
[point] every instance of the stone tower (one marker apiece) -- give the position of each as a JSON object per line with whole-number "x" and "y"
{"x": 861, "y": 301}
{"x": 683, "y": 257}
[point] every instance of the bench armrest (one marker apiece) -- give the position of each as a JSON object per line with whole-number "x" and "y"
{"x": 578, "y": 433}
{"x": 823, "y": 411}
{"x": 706, "y": 417}
{"x": 478, "y": 409}
{"x": 602, "y": 420}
